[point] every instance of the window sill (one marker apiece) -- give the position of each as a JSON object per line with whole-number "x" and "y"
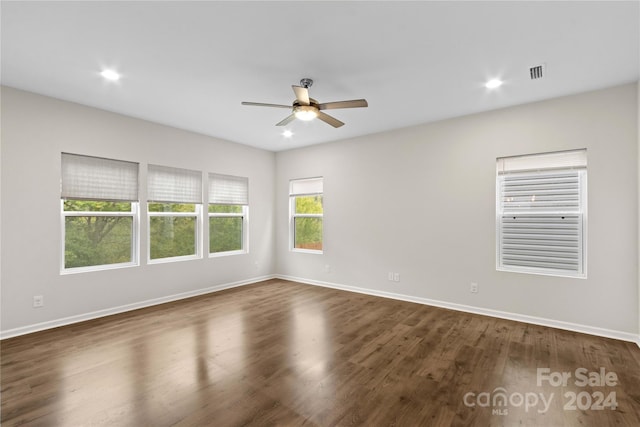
{"x": 173, "y": 259}
{"x": 89, "y": 269}
{"x": 307, "y": 251}
{"x": 539, "y": 272}
{"x": 227, "y": 253}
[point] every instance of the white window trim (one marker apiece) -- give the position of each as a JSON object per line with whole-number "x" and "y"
{"x": 197, "y": 214}
{"x": 292, "y": 224}
{"x": 135, "y": 247}
{"x": 245, "y": 232}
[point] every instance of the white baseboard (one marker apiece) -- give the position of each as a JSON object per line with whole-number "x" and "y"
{"x": 591, "y": 330}
{"x": 585, "y": 329}
{"x": 124, "y": 308}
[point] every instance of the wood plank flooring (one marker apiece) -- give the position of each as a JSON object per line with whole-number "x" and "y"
{"x": 283, "y": 353}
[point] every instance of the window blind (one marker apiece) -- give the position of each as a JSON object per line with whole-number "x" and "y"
{"x": 228, "y": 190}
{"x": 540, "y": 213}
{"x": 95, "y": 178}
{"x": 298, "y": 187}
{"x": 173, "y": 185}
{"x": 558, "y": 192}
{"x": 541, "y": 221}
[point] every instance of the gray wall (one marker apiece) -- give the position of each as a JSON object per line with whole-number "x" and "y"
{"x": 420, "y": 201}
{"x": 35, "y": 130}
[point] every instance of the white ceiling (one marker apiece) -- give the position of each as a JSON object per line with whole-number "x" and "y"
{"x": 190, "y": 64}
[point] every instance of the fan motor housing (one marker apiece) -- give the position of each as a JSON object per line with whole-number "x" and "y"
{"x": 312, "y": 102}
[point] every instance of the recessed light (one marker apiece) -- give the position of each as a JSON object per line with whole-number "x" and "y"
{"x": 287, "y": 133}
{"x": 493, "y": 83}
{"x": 110, "y": 75}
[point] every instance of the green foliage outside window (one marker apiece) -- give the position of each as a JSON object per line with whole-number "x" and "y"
{"x": 225, "y": 208}
{"x": 171, "y": 207}
{"x": 225, "y": 232}
{"x": 308, "y": 230}
{"x": 93, "y": 206}
{"x": 172, "y": 236}
{"x": 309, "y": 204}
{"x": 97, "y": 240}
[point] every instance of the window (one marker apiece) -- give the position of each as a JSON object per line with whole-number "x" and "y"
{"x": 306, "y": 214}
{"x": 99, "y": 213}
{"x": 174, "y": 210}
{"x": 541, "y": 213}
{"x": 228, "y": 214}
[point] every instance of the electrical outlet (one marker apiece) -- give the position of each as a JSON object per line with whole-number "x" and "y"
{"x": 38, "y": 301}
{"x": 474, "y": 288}
{"x": 390, "y": 276}
{"x": 396, "y": 277}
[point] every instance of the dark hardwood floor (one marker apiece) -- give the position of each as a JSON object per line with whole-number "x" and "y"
{"x": 282, "y": 353}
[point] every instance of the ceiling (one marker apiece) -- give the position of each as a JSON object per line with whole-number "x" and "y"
{"x": 190, "y": 64}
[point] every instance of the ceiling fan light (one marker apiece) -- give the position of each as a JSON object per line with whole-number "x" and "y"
{"x": 305, "y": 112}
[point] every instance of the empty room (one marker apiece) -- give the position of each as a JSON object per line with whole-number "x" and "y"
{"x": 320, "y": 213}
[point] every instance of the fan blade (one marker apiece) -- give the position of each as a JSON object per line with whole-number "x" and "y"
{"x": 355, "y": 103}
{"x": 260, "y": 104}
{"x": 286, "y": 121}
{"x": 330, "y": 120}
{"x": 302, "y": 94}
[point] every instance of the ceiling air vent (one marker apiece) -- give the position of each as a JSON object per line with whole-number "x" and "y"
{"x": 537, "y": 72}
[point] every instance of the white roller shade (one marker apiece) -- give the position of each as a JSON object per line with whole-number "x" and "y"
{"x": 95, "y": 178}
{"x": 574, "y": 159}
{"x": 228, "y": 190}
{"x": 172, "y": 185}
{"x": 298, "y": 187}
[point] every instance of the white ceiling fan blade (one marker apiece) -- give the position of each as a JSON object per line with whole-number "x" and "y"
{"x": 287, "y": 120}
{"x": 355, "y": 103}
{"x": 302, "y": 94}
{"x": 261, "y": 104}
{"x": 330, "y": 120}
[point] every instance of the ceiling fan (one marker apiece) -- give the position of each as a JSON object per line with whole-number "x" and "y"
{"x": 306, "y": 109}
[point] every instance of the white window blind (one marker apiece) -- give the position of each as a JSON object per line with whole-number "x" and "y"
{"x": 541, "y": 216}
{"x": 173, "y": 185}
{"x": 228, "y": 190}
{"x": 299, "y": 187}
{"x": 95, "y": 178}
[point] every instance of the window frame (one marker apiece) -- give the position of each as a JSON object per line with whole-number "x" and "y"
{"x": 243, "y": 239}
{"x": 99, "y": 179}
{"x": 293, "y": 195}
{"x": 197, "y": 213}
{"x": 135, "y": 228}
{"x": 561, "y": 166}
{"x": 228, "y": 190}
